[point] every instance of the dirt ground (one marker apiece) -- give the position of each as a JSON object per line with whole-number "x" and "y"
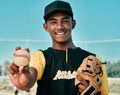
{"x": 114, "y": 84}
{"x": 7, "y": 88}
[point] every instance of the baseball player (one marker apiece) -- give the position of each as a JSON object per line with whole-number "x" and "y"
{"x": 61, "y": 68}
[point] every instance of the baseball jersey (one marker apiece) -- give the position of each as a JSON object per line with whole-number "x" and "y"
{"x": 57, "y": 70}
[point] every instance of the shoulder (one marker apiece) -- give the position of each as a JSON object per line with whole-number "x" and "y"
{"x": 93, "y": 54}
{"x": 85, "y": 52}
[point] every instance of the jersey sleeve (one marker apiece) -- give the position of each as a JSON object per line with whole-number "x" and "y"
{"x": 38, "y": 61}
{"x": 105, "y": 87}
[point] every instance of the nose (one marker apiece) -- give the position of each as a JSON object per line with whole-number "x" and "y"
{"x": 59, "y": 25}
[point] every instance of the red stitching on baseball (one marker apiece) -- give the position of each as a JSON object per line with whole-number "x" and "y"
{"x": 16, "y": 55}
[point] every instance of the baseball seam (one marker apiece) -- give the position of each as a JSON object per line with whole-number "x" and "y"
{"x": 25, "y": 56}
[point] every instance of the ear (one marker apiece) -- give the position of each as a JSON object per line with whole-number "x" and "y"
{"x": 73, "y": 24}
{"x": 45, "y": 26}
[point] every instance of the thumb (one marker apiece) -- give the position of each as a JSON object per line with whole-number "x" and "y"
{"x": 21, "y": 69}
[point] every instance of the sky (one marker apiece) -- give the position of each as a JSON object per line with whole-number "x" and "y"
{"x": 97, "y": 27}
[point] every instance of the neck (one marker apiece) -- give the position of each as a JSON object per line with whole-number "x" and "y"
{"x": 63, "y": 45}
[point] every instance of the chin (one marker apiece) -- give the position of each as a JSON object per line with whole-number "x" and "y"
{"x": 62, "y": 42}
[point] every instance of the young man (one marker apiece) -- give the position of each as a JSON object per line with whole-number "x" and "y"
{"x": 55, "y": 68}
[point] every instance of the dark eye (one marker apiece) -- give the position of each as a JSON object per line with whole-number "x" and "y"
{"x": 52, "y": 22}
{"x": 66, "y": 20}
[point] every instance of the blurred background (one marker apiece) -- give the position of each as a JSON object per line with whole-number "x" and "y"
{"x": 97, "y": 30}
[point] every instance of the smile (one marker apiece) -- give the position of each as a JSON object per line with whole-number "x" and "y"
{"x": 60, "y": 32}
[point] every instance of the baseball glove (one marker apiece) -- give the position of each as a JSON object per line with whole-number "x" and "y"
{"x": 90, "y": 70}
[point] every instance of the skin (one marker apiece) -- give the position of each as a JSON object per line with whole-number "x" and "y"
{"x": 22, "y": 77}
{"x": 59, "y": 26}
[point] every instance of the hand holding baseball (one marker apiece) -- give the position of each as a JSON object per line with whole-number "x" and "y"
{"x": 21, "y": 57}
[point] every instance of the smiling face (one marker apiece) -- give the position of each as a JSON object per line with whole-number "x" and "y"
{"x": 59, "y": 27}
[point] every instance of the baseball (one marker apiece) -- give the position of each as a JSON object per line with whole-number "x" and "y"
{"x": 21, "y": 57}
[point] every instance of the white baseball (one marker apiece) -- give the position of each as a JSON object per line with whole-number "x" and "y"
{"x": 21, "y": 57}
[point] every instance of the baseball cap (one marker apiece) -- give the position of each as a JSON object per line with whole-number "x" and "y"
{"x": 57, "y": 6}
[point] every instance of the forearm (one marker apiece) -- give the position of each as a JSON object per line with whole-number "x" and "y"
{"x": 32, "y": 78}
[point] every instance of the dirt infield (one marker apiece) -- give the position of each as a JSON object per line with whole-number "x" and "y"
{"x": 7, "y": 88}
{"x": 114, "y": 85}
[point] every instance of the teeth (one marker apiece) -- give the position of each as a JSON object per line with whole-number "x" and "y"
{"x": 60, "y": 33}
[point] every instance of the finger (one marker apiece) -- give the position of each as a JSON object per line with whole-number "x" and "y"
{"x": 21, "y": 69}
{"x": 81, "y": 87}
{"x": 18, "y": 48}
{"x": 79, "y": 77}
{"x": 24, "y": 69}
{"x": 27, "y": 49}
{"x": 82, "y": 81}
{"x": 13, "y": 69}
{"x": 80, "y": 91}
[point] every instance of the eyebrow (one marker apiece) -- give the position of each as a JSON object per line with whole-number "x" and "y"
{"x": 52, "y": 18}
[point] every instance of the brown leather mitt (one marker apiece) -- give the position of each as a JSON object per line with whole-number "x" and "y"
{"x": 90, "y": 70}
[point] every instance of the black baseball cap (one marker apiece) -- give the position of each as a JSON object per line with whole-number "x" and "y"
{"x": 57, "y": 6}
